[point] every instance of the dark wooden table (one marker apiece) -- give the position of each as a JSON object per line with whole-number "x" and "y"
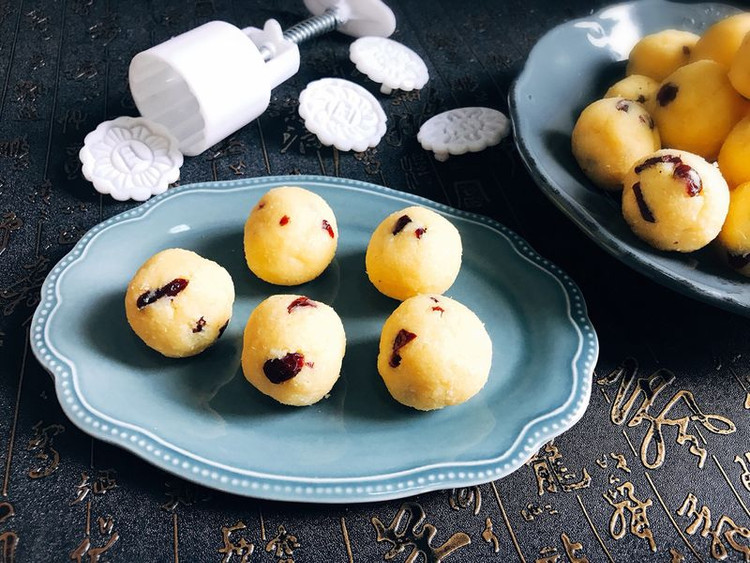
{"x": 644, "y": 475}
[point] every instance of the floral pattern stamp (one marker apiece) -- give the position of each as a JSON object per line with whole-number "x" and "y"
{"x": 342, "y": 114}
{"x": 130, "y": 158}
{"x": 388, "y": 62}
{"x": 462, "y": 130}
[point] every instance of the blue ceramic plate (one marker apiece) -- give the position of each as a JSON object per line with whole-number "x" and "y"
{"x": 570, "y": 67}
{"x": 200, "y": 419}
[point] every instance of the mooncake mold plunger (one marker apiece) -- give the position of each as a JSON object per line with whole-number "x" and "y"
{"x": 207, "y": 83}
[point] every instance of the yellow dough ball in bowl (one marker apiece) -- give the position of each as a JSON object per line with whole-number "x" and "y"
{"x": 434, "y": 352}
{"x": 290, "y": 236}
{"x": 696, "y": 108}
{"x": 179, "y": 303}
{"x": 635, "y": 87}
{"x": 734, "y": 156}
{"x": 609, "y": 136}
{"x": 720, "y": 41}
{"x": 659, "y": 54}
{"x": 413, "y": 251}
{"x": 734, "y": 238}
{"x": 293, "y": 348}
{"x": 739, "y": 71}
{"x": 675, "y": 200}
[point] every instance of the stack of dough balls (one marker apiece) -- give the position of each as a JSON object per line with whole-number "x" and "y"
{"x": 434, "y": 351}
{"x": 290, "y": 236}
{"x": 179, "y": 303}
{"x": 293, "y": 348}
{"x": 695, "y": 91}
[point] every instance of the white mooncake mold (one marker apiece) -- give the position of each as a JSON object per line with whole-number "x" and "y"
{"x": 130, "y": 158}
{"x": 389, "y": 63}
{"x": 342, "y": 114}
{"x": 462, "y": 130}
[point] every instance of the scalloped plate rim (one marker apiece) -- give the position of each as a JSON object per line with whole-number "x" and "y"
{"x": 333, "y": 489}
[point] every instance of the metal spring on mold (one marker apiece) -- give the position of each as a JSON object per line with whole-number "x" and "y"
{"x": 312, "y": 27}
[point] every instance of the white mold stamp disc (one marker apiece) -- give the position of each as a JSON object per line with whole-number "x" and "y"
{"x": 342, "y": 114}
{"x": 130, "y": 158}
{"x": 389, "y": 63}
{"x": 462, "y": 130}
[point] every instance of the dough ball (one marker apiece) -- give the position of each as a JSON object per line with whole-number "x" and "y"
{"x": 179, "y": 303}
{"x": 696, "y": 108}
{"x": 413, "y": 251}
{"x": 739, "y": 71}
{"x": 658, "y": 55}
{"x": 734, "y": 238}
{"x": 434, "y": 352}
{"x": 290, "y": 236}
{"x": 609, "y": 136}
{"x": 675, "y": 200}
{"x": 734, "y": 156}
{"x": 720, "y": 41}
{"x": 635, "y": 87}
{"x": 293, "y": 348}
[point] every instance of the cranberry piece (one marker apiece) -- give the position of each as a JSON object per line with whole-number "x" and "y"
{"x": 419, "y": 232}
{"x": 300, "y": 302}
{"x": 666, "y": 94}
{"x": 261, "y": 204}
{"x": 738, "y": 261}
{"x": 435, "y": 299}
{"x": 199, "y": 325}
{"x": 169, "y": 290}
{"x": 438, "y": 308}
{"x": 401, "y": 223}
{"x": 327, "y": 227}
{"x": 690, "y": 177}
{"x": 222, "y": 329}
{"x": 402, "y": 339}
{"x": 642, "y": 205}
{"x": 278, "y": 370}
{"x": 284, "y": 220}
{"x": 654, "y": 160}
{"x": 622, "y": 105}
{"x": 682, "y": 171}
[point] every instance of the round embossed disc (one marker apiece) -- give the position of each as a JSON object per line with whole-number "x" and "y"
{"x": 130, "y": 158}
{"x": 462, "y": 130}
{"x": 388, "y": 62}
{"x": 342, "y": 114}
{"x": 357, "y": 17}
